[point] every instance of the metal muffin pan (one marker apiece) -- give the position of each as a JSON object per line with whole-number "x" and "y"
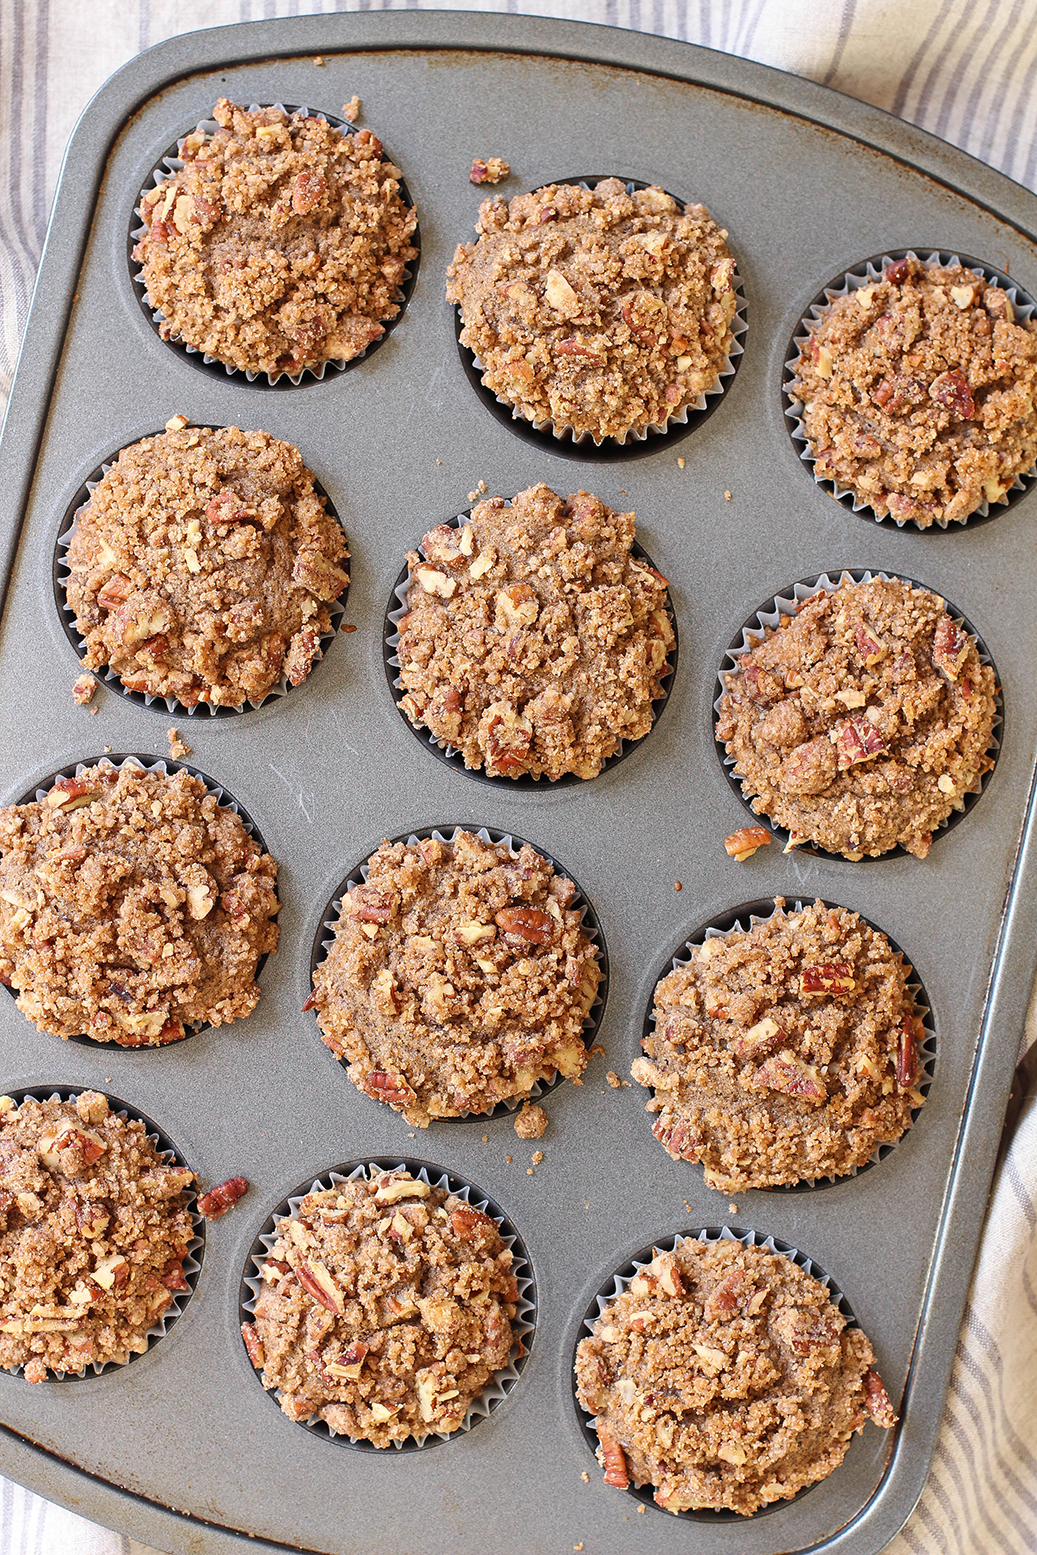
{"x": 181, "y": 1449}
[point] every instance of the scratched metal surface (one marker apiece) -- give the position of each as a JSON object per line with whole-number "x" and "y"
{"x": 327, "y": 772}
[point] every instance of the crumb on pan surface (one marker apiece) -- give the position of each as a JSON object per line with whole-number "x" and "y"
{"x": 726, "y": 1377}
{"x": 596, "y": 309}
{"x": 533, "y": 641}
{"x": 83, "y": 689}
{"x": 93, "y": 1235}
{"x": 459, "y": 977}
{"x": 385, "y": 1309}
{"x": 203, "y": 565}
{"x": 281, "y": 243}
{"x": 491, "y": 171}
{"x": 918, "y": 392}
{"x": 132, "y": 902}
{"x": 785, "y": 1052}
{"x": 531, "y": 1123}
{"x": 862, "y": 721}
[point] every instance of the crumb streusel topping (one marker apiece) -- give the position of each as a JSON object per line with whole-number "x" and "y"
{"x": 132, "y": 902}
{"x": 596, "y": 309}
{"x": 385, "y": 1310}
{"x": 203, "y": 567}
{"x": 533, "y": 640}
{"x": 281, "y": 243}
{"x": 460, "y": 975}
{"x": 918, "y": 392}
{"x": 863, "y": 720}
{"x": 94, "y": 1231}
{"x": 725, "y": 1376}
{"x": 785, "y": 1052}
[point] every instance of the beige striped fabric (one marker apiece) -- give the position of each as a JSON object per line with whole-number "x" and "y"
{"x": 963, "y": 69}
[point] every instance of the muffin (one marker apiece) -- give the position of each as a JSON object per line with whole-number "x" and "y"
{"x": 385, "y": 1310}
{"x": 918, "y": 392}
{"x": 460, "y": 976}
{"x": 203, "y": 567}
{"x": 94, "y": 1230}
{"x": 786, "y": 1052}
{"x": 726, "y": 1377}
{"x": 533, "y": 641}
{"x": 280, "y": 245}
{"x": 131, "y": 904}
{"x": 863, "y": 720}
{"x": 595, "y": 309}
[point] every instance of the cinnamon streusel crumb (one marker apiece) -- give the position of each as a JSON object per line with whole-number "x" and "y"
{"x": 725, "y": 1376}
{"x": 280, "y": 244}
{"x": 460, "y": 975}
{"x": 93, "y": 1235}
{"x": 533, "y": 640}
{"x": 594, "y": 308}
{"x": 785, "y": 1052}
{"x": 131, "y": 903}
{"x": 385, "y": 1310}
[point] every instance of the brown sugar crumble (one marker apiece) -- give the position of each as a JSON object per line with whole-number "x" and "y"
{"x": 132, "y": 903}
{"x": 596, "y": 309}
{"x": 491, "y": 171}
{"x": 726, "y": 1377}
{"x": 786, "y": 1052}
{"x": 203, "y": 567}
{"x": 862, "y": 721}
{"x": 460, "y": 976}
{"x": 918, "y": 393}
{"x": 351, "y": 110}
{"x": 533, "y": 640}
{"x": 386, "y": 1308}
{"x": 531, "y": 1123}
{"x": 83, "y": 689}
{"x": 281, "y": 244}
{"x": 177, "y": 749}
{"x": 94, "y": 1230}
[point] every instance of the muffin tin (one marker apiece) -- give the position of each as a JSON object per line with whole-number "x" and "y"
{"x": 181, "y": 1449}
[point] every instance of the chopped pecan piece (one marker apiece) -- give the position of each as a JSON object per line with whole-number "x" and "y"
{"x": 950, "y": 647}
{"x": 870, "y": 647}
{"x": 951, "y": 390}
{"x": 877, "y": 1402}
{"x": 525, "y": 925}
{"x": 785, "y": 1072}
{"x": 907, "y": 1056}
{"x": 253, "y": 1344}
{"x": 743, "y": 844}
{"x": 223, "y": 1197}
{"x": 508, "y": 739}
{"x": 391, "y": 1088}
{"x": 465, "y": 1222}
{"x": 759, "y": 1040}
{"x": 373, "y": 906}
{"x": 829, "y": 977}
{"x": 858, "y": 740}
{"x": 317, "y": 1282}
{"x": 573, "y": 348}
{"x": 613, "y": 1460}
{"x": 115, "y": 592}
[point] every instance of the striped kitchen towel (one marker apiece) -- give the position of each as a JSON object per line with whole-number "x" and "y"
{"x": 967, "y": 71}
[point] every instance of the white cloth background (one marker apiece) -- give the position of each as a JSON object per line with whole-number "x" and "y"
{"x": 965, "y": 70}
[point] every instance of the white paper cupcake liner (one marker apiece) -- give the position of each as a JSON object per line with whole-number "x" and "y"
{"x": 788, "y": 603}
{"x": 588, "y": 918}
{"x": 172, "y": 163}
{"x": 191, "y": 1265}
{"x": 523, "y": 1324}
{"x": 632, "y": 436}
{"x": 164, "y": 704}
{"x": 617, "y": 1283}
{"x": 739, "y": 921}
{"x": 865, "y": 275}
{"x": 147, "y": 764}
{"x": 449, "y": 754}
